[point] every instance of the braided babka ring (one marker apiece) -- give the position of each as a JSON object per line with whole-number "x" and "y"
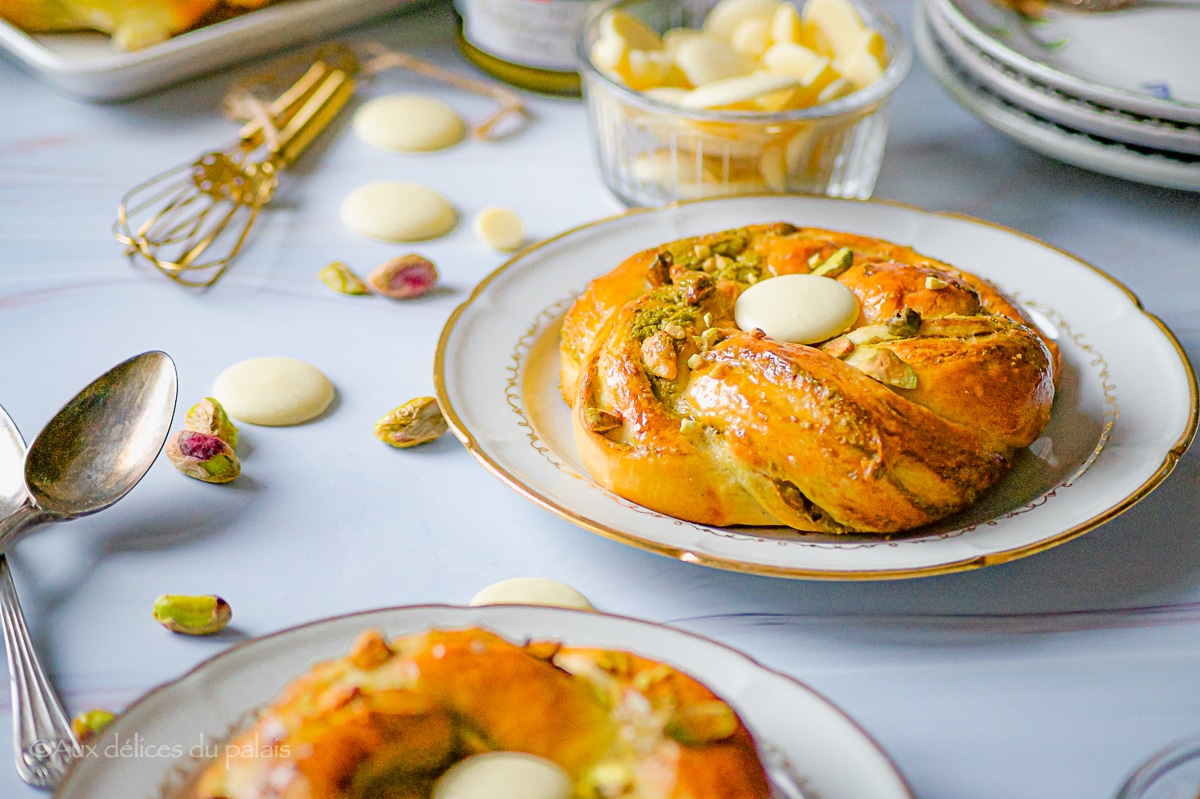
{"x": 901, "y": 421}
{"x": 389, "y": 719}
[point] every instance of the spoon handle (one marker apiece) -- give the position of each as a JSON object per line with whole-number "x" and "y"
{"x": 24, "y": 517}
{"x": 42, "y": 739}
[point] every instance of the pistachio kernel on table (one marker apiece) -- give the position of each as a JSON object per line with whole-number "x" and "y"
{"x": 339, "y": 277}
{"x": 203, "y": 457}
{"x": 192, "y": 615}
{"x": 417, "y": 421}
{"x": 208, "y": 417}
{"x": 89, "y": 724}
{"x": 404, "y": 278}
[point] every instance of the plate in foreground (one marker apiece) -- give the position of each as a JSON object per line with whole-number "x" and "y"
{"x": 176, "y": 726}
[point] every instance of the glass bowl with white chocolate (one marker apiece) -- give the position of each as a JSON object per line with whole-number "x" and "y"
{"x": 692, "y": 99}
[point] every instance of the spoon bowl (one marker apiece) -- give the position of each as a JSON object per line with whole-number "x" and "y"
{"x": 92, "y": 453}
{"x": 101, "y": 444}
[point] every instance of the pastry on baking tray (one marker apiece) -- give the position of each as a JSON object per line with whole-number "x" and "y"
{"x": 431, "y": 714}
{"x": 133, "y": 24}
{"x": 886, "y": 418}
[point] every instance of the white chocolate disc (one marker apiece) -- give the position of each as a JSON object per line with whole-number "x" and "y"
{"x": 704, "y": 59}
{"x": 273, "y": 391}
{"x": 635, "y": 34}
{"x": 532, "y": 591}
{"x": 727, "y": 15}
{"x": 736, "y": 90}
{"x": 504, "y": 775}
{"x": 409, "y": 123}
{"x": 801, "y": 309}
{"x": 838, "y": 22}
{"x": 500, "y": 229}
{"x": 398, "y": 212}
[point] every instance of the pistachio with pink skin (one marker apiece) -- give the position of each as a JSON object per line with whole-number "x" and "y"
{"x": 203, "y": 456}
{"x": 404, "y": 278}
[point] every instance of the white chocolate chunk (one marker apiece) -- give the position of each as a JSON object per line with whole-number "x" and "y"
{"x": 609, "y": 53}
{"x": 273, "y": 391}
{"x": 629, "y": 29}
{"x": 677, "y": 36}
{"x": 667, "y": 94}
{"x": 504, "y": 775}
{"x": 839, "y": 87}
{"x": 409, "y": 123}
{"x": 837, "y": 21}
{"x": 500, "y": 229}
{"x": 862, "y": 70}
{"x": 398, "y": 212}
{"x": 793, "y": 60}
{"x": 752, "y": 37}
{"x": 865, "y": 64}
{"x": 732, "y": 91}
{"x": 801, "y": 309}
{"x": 785, "y": 24}
{"x": 727, "y": 15}
{"x": 704, "y": 59}
{"x": 827, "y": 48}
{"x": 648, "y": 68}
{"x": 532, "y": 591}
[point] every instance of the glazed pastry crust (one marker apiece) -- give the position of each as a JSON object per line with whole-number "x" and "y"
{"x": 389, "y": 718}
{"x": 133, "y": 24}
{"x": 763, "y": 432}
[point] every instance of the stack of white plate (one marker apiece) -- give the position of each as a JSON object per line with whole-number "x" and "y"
{"x": 1115, "y": 92}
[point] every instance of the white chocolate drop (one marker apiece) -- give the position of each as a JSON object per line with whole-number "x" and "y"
{"x": 838, "y": 23}
{"x": 801, "y": 309}
{"x": 631, "y": 31}
{"x": 504, "y": 775}
{"x": 727, "y": 15}
{"x": 410, "y": 123}
{"x": 500, "y": 229}
{"x": 704, "y": 59}
{"x": 273, "y": 391}
{"x": 398, "y": 212}
{"x": 731, "y": 91}
{"x": 532, "y": 591}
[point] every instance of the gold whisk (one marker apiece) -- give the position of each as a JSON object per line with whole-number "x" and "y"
{"x": 191, "y": 221}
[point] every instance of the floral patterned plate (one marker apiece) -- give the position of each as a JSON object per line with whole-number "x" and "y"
{"x": 1141, "y": 59}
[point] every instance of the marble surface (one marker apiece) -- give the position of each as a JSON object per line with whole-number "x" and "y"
{"x": 1052, "y": 676}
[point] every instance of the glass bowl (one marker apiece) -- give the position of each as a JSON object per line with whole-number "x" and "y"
{"x": 653, "y": 153}
{"x": 1171, "y": 773}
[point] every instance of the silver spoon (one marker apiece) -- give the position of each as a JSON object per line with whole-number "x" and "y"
{"x": 90, "y": 455}
{"x": 42, "y": 717}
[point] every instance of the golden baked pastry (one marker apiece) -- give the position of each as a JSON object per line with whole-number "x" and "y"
{"x": 902, "y": 421}
{"x": 133, "y": 24}
{"x": 388, "y": 720}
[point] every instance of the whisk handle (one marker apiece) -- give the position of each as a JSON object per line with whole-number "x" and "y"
{"x": 316, "y": 114}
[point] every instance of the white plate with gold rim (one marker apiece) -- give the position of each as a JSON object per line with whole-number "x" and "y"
{"x": 1126, "y": 408}
{"x": 156, "y": 743}
{"x": 1141, "y": 59}
{"x": 1054, "y": 139}
{"x": 1051, "y": 103}
{"x": 87, "y": 66}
